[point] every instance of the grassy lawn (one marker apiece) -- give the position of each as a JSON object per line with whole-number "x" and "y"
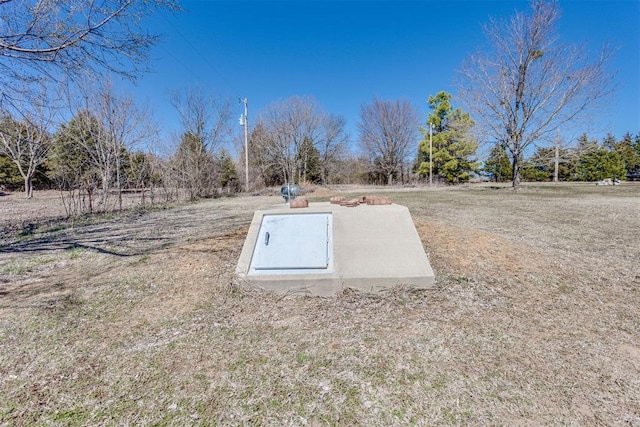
{"x": 137, "y": 319}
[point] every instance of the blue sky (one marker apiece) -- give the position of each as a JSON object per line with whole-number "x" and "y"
{"x": 345, "y": 53}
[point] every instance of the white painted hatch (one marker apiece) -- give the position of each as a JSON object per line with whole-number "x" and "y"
{"x": 287, "y": 243}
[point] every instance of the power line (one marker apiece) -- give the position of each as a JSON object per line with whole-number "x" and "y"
{"x": 197, "y": 51}
{"x": 175, "y": 58}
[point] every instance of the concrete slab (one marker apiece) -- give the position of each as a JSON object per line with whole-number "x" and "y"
{"x": 372, "y": 247}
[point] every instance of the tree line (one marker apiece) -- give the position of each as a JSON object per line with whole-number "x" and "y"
{"x": 587, "y": 160}
{"x": 101, "y": 152}
{"x": 97, "y": 155}
{"x": 519, "y": 90}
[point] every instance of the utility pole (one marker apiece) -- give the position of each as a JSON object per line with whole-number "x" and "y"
{"x": 430, "y": 154}
{"x": 557, "y": 159}
{"x": 244, "y": 121}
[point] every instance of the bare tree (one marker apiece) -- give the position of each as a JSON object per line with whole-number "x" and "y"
{"x": 105, "y": 128}
{"x": 263, "y": 171}
{"x": 45, "y": 42}
{"x": 388, "y": 134}
{"x": 51, "y": 39}
{"x": 294, "y": 135}
{"x": 27, "y": 142}
{"x": 127, "y": 125}
{"x": 332, "y": 144}
{"x": 98, "y": 148}
{"x": 205, "y": 129}
{"x": 72, "y": 168}
{"x": 203, "y": 115}
{"x": 526, "y": 84}
{"x": 286, "y": 125}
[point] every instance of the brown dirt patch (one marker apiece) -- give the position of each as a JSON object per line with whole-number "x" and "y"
{"x": 471, "y": 252}
{"x": 191, "y": 274}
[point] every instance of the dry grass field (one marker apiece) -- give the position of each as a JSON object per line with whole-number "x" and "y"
{"x": 136, "y": 318}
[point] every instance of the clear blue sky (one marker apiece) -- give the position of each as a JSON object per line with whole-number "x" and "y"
{"x": 345, "y": 53}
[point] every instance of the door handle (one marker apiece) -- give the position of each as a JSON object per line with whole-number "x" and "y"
{"x": 266, "y": 239}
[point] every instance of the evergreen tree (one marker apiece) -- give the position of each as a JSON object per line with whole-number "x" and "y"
{"x": 586, "y": 145}
{"x": 9, "y": 176}
{"x": 309, "y": 162}
{"x": 609, "y": 142}
{"x": 70, "y": 161}
{"x": 453, "y": 145}
{"x": 531, "y": 170}
{"x": 262, "y": 162}
{"x": 194, "y": 167}
{"x": 541, "y": 165}
{"x": 137, "y": 170}
{"x": 228, "y": 175}
{"x": 629, "y": 153}
{"x": 636, "y": 146}
{"x": 599, "y": 164}
{"x": 498, "y": 166}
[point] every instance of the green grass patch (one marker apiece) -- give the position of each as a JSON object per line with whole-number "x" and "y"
{"x": 21, "y": 267}
{"x": 75, "y": 252}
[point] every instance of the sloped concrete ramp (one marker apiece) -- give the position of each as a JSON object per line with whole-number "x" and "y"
{"x": 325, "y": 248}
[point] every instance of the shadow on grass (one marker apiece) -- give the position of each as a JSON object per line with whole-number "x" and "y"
{"x": 121, "y": 237}
{"x": 126, "y": 236}
{"x": 97, "y": 244}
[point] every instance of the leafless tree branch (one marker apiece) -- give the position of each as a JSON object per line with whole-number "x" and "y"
{"x": 526, "y": 84}
{"x": 388, "y": 134}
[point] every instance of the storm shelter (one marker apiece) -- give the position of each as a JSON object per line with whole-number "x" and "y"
{"x": 324, "y": 248}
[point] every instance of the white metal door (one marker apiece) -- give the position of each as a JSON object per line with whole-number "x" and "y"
{"x": 293, "y": 242}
